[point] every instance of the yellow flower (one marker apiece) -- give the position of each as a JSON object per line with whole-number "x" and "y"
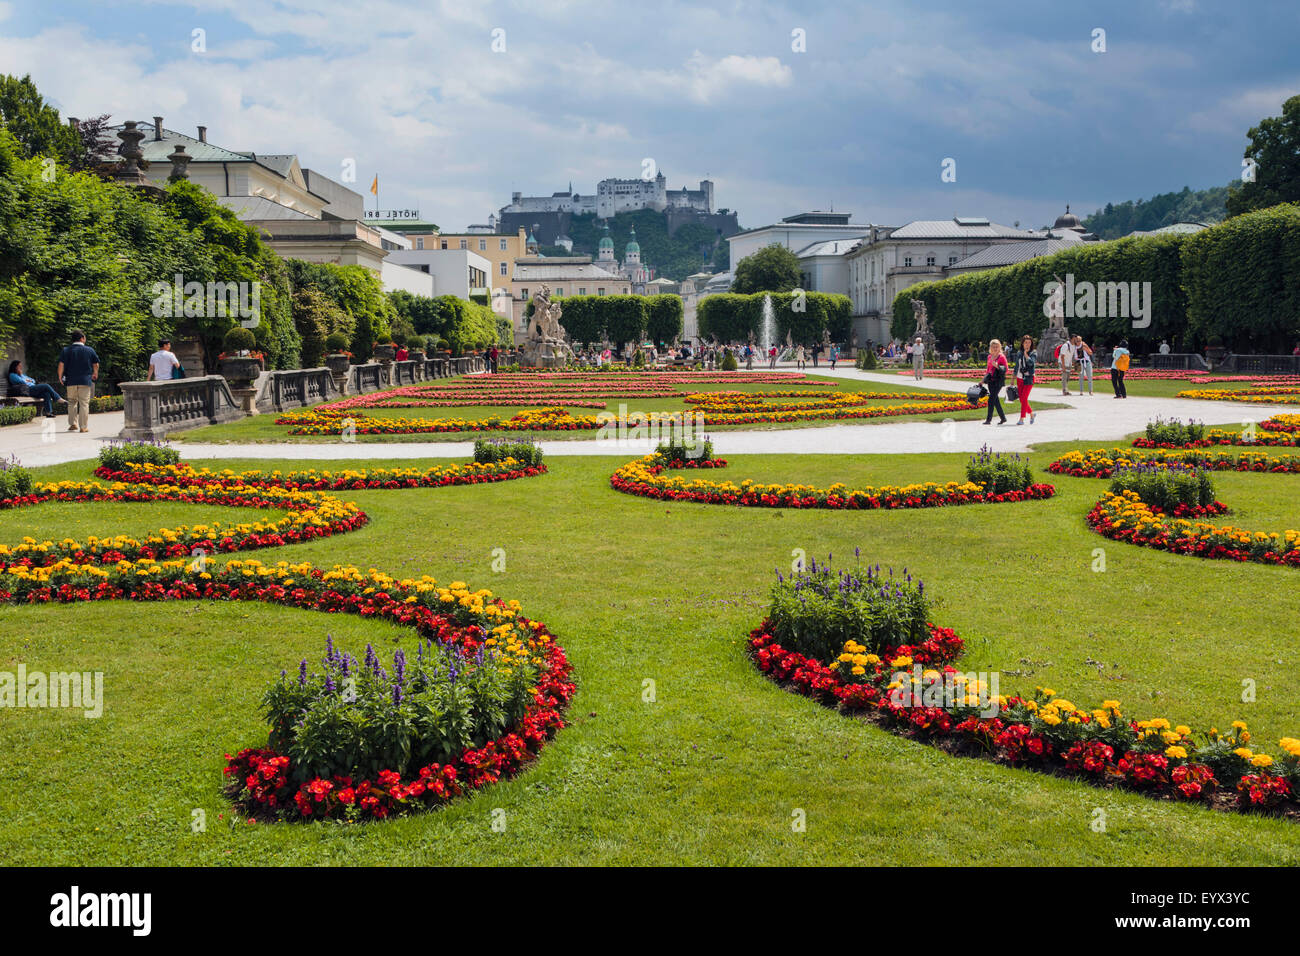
{"x": 1177, "y": 753}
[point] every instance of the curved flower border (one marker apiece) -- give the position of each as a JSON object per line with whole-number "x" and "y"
{"x": 1101, "y": 746}
{"x": 645, "y": 478}
{"x": 259, "y": 780}
{"x": 311, "y": 515}
{"x": 351, "y": 479}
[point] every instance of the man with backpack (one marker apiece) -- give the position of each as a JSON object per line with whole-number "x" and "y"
{"x": 1065, "y": 358}
{"x": 1119, "y": 361}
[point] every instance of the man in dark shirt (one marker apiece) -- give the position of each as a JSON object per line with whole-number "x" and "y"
{"x": 78, "y": 370}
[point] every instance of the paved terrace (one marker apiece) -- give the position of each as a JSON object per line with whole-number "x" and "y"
{"x": 1097, "y": 418}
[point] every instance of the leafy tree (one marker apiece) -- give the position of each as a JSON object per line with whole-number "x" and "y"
{"x": 773, "y": 268}
{"x": 1275, "y": 149}
{"x": 35, "y": 124}
{"x": 625, "y": 318}
{"x": 1118, "y": 220}
{"x": 583, "y": 318}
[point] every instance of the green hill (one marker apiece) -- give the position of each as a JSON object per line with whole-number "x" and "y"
{"x": 693, "y": 248}
{"x": 1119, "y": 219}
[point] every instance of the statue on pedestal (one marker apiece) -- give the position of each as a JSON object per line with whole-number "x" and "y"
{"x": 546, "y": 346}
{"x": 1056, "y": 332}
{"x": 922, "y": 325}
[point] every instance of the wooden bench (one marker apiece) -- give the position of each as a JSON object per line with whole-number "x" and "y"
{"x": 20, "y": 400}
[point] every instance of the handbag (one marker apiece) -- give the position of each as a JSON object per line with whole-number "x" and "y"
{"x": 975, "y": 393}
{"x": 1013, "y": 393}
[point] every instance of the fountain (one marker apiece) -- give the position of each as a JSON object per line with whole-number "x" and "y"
{"x": 769, "y": 324}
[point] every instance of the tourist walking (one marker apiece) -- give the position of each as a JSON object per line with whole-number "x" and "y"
{"x": 798, "y": 358}
{"x": 1026, "y": 366}
{"x": 917, "y": 349}
{"x": 816, "y": 353}
{"x": 1084, "y": 353}
{"x": 1119, "y": 361}
{"x": 78, "y": 370}
{"x": 771, "y": 356}
{"x": 24, "y": 386}
{"x": 835, "y": 356}
{"x": 1065, "y": 359}
{"x": 163, "y": 363}
{"x": 995, "y": 376}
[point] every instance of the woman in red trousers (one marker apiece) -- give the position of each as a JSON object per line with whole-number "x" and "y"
{"x": 1026, "y": 365}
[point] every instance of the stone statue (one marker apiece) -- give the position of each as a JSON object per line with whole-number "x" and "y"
{"x": 1055, "y": 305}
{"x": 545, "y": 346}
{"x": 922, "y": 320}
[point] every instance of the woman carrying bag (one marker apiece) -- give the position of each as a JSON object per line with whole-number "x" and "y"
{"x": 1026, "y": 365}
{"x": 995, "y": 376}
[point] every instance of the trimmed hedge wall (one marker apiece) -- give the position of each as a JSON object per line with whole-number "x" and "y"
{"x": 729, "y": 317}
{"x": 1239, "y": 281}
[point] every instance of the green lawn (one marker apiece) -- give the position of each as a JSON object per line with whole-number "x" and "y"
{"x": 262, "y": 428}
{"x": 638, "y": 590}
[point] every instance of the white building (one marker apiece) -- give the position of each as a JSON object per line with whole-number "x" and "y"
{"x": 889, "y": 260}
{"x": 824, "y": 265}
{"x": 457, "y": 272}
{"x": 565, "y": 275}
{"x": 617, "y": 195}
{"x": 795, "y": 233}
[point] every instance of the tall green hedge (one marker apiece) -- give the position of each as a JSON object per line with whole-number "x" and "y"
{"x": 664, "y": 318}
{"x": 1238, "y": 281}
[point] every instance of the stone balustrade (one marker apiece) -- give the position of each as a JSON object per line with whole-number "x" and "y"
{"x": 1262, "y": 364}
{"x": 155, "y": 409}
{"x": 370, "y": 377}
{"x": 1193, "y": 361}
{"x": 286, "y": 389}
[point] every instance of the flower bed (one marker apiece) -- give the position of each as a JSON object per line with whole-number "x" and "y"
{"x": 310, "y": 515}
{"x": 1101, "y": 462}
{"x": 311, "y": 479}
{"x": 1256, "y": 394}
{"x": 469, "y": 632}
{"x": 1278, "y": 431}
{"x": 904, "y": 680}
{"x": 1125, "y": 517}
{"x": 646, "y": 478}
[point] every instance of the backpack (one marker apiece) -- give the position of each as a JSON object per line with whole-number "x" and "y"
{"x": 1057, "y": 353}
{"x": 1121, "y": 363}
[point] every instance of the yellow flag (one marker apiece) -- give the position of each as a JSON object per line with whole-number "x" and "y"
{"x": 374, "y": 187}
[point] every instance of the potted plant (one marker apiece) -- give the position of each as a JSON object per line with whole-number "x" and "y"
{"x": 386, "y": 351}
{"x": 337, "y": 358}
{"x": 415, "y": 346}
{"x": 239, "y": 364}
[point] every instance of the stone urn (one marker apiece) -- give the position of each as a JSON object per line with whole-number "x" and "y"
{"x": 1215, "y": 354}
{"x": 386, "y": 353}
{"x": 338, "y": 363}
{"x": 417, "y": 355}
{"x": 240, "y": 371}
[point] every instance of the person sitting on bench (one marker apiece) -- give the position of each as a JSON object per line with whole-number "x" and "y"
{"x": 24, "y": 386}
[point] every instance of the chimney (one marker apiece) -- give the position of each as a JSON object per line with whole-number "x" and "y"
{"x": 73, "y": 122}
{"x": 157, "y": 129}
{"x": 203, "y": 134}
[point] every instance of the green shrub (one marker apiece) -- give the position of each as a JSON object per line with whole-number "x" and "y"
{"x": 817, "y": 610}
{"x": 998, "y": 473}
{"x": 1165, "y": 486}
{"x": 239, "y": 339}
{"x": 358, "y": 718}
{"x": 116, "y": 455}
{"x": 729, "y": 363}
{"x": 496, "y": 449}
{"x": 1174, "y": 432}
{"x": 336, "y": 343}
{"x": 866, "y": 359}
{"x": 15, "y": 480}
{"x": 17, "y": 414}
{"x": 415, "y": 343}
{"x": 680, "y": 449}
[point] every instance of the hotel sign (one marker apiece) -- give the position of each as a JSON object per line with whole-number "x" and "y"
{"x": 393, "y": 214}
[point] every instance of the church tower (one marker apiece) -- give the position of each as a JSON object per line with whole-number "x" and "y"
{"x": 605, "y": 251}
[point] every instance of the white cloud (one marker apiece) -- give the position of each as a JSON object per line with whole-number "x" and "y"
{"x": 1240, "y": 110}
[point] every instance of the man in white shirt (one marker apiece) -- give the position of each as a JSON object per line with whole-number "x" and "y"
{"x": 1065, "y": 358}
{"x": 163, "y": 362}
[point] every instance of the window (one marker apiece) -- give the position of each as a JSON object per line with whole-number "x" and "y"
{"x": 582, "y": 290}
{"x": 444, "y": 243}
{"x": 464, "y": 243}
{"x": 929, "y": 260}
{"x": 419, "y": 243}
{"x": 482, "y": 245}
{"x": 503, "y": 245}
{"x": 907, "y": 262}
{"x": 600, "y": 291}
{"x": 952, "y": 260}
{"x": 503, "y": 268}
{"x": 523, "y": 294}
{"x": 559, "y": 290}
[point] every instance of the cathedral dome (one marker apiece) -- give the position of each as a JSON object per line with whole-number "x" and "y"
{"x": 633, "y": 245}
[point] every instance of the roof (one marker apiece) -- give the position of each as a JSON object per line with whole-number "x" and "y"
{"x": 1174, "y": 228}
{"x": 258, "y": 207}
{"x": 156, "y": 151}
{"x": 828, "y": 247}
{"x": 562, "y": 271}
{"x": 1009, "y": 253}
{"x": 958, "y": 229}
{"x": 803, "y": 226}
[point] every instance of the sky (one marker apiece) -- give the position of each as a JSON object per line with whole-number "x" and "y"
{"x": 787, "y": 107}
